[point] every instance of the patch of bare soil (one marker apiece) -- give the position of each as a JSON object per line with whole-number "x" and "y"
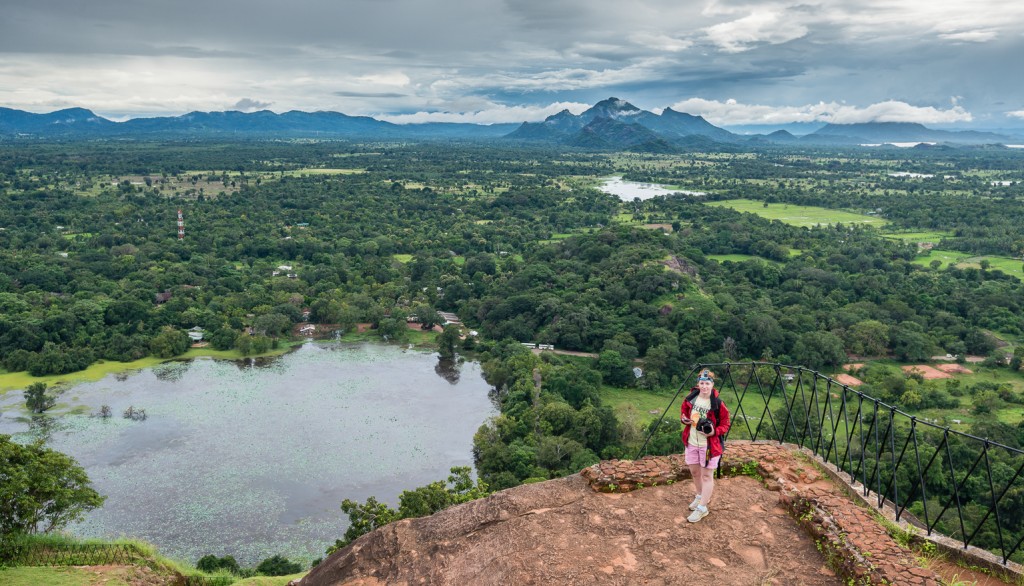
{"x": 953, "y": 574}
{"x": 954, "y": 369}
{"x": 563, "y": 532}
{"x": 134, "y": 575}
{"x": 849, "y": 380}
{"x": 928, "y": 372}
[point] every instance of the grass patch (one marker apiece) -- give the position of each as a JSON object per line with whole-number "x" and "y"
{"x": 639, "y": 401}
{"x": 796, "y": 215}
{"x": 423, "y": 337}
{"x": 269, "y": 580}
{"x": 416, "y": 337}
{"x": 1010, "y": 266}
{"x": 556, "y": 238}
{"x": 946, "y": 257}
{"x": 58, "y": 576}
{"x": 315, "y": 171}
{"x": 283, "y": 346}
{"x": 402, "y": 258}
{"x": 356, "y": 336}
{"x": 20, "y": 380}
{"x": 934, "y": 237}
{"x": 738, "y": 258}
{"x": 142, "y": 564}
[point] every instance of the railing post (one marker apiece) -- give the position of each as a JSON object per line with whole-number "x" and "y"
{"x": 865, "y": 441}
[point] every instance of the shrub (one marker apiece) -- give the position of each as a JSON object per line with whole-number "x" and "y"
{"x": 212, "y": 564}
{"x": 278, "y": 566}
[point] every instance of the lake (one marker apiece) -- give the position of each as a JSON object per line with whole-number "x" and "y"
{"x": 628, "y": 190}
{"x": 253, "y": 458}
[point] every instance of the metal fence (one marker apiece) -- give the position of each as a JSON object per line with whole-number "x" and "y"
{"x": 966, "y": 487}
{"x": 29, "y": 553}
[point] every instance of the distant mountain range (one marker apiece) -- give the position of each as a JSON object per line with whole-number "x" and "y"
{"x": 611, "y": 124}
{"x": 81, "y": 123}
{"x": 619, "y": 125}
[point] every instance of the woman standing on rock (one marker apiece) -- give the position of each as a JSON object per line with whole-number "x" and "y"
{"x": 705, "y": 420}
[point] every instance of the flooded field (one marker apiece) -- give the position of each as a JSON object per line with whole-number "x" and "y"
{"x": 254, "y": 458}
{"x": 628, "y": 190}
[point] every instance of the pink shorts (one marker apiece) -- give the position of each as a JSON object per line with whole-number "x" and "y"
{"x": 695, "y": 455}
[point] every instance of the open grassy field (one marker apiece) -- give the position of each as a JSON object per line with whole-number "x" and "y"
{"x": 1010, "y": 266}
{"x": 738, "y": 257}
{"x": 417, "y": 337}
{"x": 642, "y": 402}
{"x": 321, "y": 171}
{"x": 795, "y": 215}
{"x": 934, "y": 237}
{"x": 946, "y": 257}
{"x": 556, "y": 238}
{"x": 623, "y": 218}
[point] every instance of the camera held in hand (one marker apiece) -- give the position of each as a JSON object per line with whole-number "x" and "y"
{"x": 704, "y": 426}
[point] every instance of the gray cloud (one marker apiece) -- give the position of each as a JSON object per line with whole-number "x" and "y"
{"x": 482, "y": 60}
{"x": 249, "y": 105}
{"x": 370, "y": 94}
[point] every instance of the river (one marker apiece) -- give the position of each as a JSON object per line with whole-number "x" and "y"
{"x": 253, "y": 458}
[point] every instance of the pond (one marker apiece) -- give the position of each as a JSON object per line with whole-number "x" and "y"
{"x": 628, "y": 190}
{"x": 254, "y": 458}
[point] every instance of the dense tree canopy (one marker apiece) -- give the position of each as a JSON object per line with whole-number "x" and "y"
{"x": 41, "y": 490}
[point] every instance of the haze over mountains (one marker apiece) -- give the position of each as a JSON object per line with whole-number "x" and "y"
{"x": 611, "y": 124}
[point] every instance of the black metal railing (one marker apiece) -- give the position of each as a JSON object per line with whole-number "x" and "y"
{"x": 30, "y": 553}
{"x": 966, "y": 487}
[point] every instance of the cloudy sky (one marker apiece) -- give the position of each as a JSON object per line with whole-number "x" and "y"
{"x": 947, "y": 63}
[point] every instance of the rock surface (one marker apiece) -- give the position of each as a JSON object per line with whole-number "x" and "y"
{"x": 564, "y": 532}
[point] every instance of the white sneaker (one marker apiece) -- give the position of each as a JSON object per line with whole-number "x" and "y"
{"x": 695, "y": 503}
{"x": 699, "y": 513}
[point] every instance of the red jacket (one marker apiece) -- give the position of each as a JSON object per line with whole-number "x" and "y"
{"x": 721, "y": 424}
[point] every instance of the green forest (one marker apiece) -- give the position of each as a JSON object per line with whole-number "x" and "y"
{"x": 523, "y": 247}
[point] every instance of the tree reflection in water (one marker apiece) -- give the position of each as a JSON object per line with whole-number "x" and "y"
{"x": 41, "y": 427}
{"x": 449, "y": 369}
{"x": 171, "y": 371}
